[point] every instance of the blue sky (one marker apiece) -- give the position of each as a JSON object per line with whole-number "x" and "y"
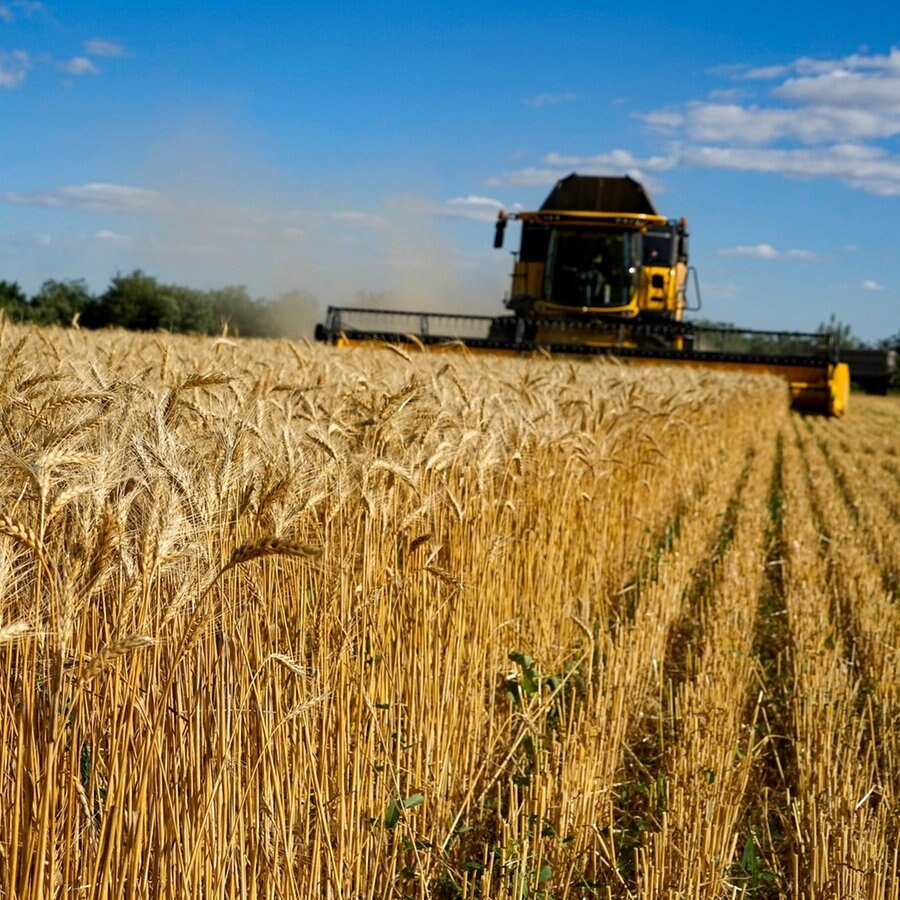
{"x": 349, "y": 147}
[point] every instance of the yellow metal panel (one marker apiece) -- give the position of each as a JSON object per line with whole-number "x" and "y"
{"x": 633, "y": 221}
{"x": 528, "y": 279}
{"x": 819, "y": 388}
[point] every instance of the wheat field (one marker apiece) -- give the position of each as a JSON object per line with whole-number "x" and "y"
{"x": 284, "y": 621}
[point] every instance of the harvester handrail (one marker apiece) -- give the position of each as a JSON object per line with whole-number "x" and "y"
{"x": 825, "y": 338}
{"x": 407, "y": 312}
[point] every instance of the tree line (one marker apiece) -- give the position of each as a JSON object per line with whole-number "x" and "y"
{"x": 139, "y": 302}
{"x": 734, "y": 338}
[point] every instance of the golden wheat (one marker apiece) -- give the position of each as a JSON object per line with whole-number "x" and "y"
{"x": 310, "y": 623}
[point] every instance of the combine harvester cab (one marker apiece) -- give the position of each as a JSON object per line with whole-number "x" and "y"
{"x": 600, "y": 272}
{"x": 598, "y": 250}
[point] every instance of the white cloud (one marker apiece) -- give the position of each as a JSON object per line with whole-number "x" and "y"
{"x": 101, "y": 47}
{"x": 95, "y": 197}
{"x": 666, "y": 121}
{"x": 359, "y": 219}
{"x": 611, "y": 162}
{"x": 113, "y": 236}
{"x": 857, "y": 97}
{"x": 12, "y": 10}
{"x": 741, "y": 139}
{"x": 473, "y": 207}
{"x": 15, "y": 64}
{"x": 759, "y": 251}
{"x": 814, "y": 124}
{"x": 219, "y": 219}
{"x": 868, "y": 284}
{"x": 806, "y": 65}
{"x": 765, "y": 251}
{"x": 824, "y": 119}
{"x": 527, "y": 177}
{"x": 842, "y": 88}
{"x": 764, "y": 73}
{"x": 79, "y": 65}
{"x": 615, "y": 162}
{"x": 727, "y": 95}
{"x": 475, "y": 200}
{"x": 552, "y": 99}
{"x": 14, "y": 67}
{"x": 868, "y": 168}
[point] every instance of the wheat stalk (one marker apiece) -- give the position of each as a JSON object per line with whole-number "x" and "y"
{"x": 272, "y": 546}
{"x": 22, "y": 534}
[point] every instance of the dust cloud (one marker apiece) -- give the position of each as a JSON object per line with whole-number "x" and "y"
{"x": 230, "y": 216}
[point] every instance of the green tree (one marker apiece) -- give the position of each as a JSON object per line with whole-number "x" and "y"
{"x": 890, "y": 343}
{"x": 13, "y": 301}
{"x": 58, "y": 302}
{"x": 234, "y": 307}
{"x": 841, "y": 331}
{"x": 139, "y": 302}
{"x": 198, "y": 316}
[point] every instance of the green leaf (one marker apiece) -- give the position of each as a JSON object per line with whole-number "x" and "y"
{"x": 514, "y": 689}
{"x": 391, "y": 815}
{"x": 530, "y": 677}
{"x": 749, "y": 862}
{"x": 545, "y": 873}
{"x": 396, "y": 807}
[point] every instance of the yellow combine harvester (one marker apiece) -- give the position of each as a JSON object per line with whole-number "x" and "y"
{"x": 600, "y": 272}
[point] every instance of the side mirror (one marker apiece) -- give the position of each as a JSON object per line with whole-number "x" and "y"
{"x": 500, "y": 230}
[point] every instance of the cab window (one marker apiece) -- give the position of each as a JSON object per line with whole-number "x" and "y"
{"x": 659, "y": 249}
